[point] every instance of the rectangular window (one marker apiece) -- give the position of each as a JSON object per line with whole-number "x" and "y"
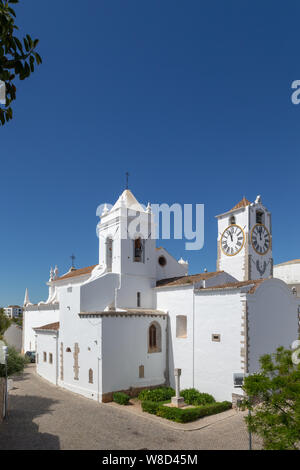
{"x": 181, "y": 326}
{"x": 45, "y": 356}
{"x": 138, "y": 299}
{"x": 50, "y": 358}
{"x": 216, "y": 338}
{"x": 141, "y": 372}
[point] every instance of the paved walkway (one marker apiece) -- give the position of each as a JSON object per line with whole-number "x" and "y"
{"x": 43, "y": 416}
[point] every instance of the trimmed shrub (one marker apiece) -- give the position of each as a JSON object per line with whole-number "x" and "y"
{"x": 194, "y": 397}
{"x": 157, "y": 394}
{"x": 121, "y": 398}
{"x": 185, "y": 415}
{"x": 150, "y": 407}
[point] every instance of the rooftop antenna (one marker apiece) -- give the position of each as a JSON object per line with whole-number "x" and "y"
{"x": 127, "y": 176}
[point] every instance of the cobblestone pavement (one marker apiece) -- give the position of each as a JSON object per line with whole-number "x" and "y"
{"x": 43, "y": 416}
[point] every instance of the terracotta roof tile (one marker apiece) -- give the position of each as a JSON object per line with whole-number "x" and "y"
{"x": 243, "y": 203}
{"x": 236, "y": 285}
{"x": 50, "y": 326}
{"x": 185, "y": 280}
{"x": 76, "y": 272}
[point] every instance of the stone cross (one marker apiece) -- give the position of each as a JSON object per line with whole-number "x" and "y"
{"x": 177, "y": 401}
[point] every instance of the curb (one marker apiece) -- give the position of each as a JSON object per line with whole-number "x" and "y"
{"x": 187, "y": 427}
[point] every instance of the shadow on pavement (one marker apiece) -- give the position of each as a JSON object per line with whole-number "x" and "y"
{"x": 19, "y": 432}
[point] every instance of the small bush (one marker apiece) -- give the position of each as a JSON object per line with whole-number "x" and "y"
{"x": 15, "y": 362}
{"x": 150, "y": 407}
{"x": 157, "y": 394}
{"x": 121, "y": 398}
{"x": 184, "y": 415}
{"x": 194, "y": 397}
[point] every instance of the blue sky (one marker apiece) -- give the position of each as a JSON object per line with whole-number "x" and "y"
{"x": 192, "y": 98}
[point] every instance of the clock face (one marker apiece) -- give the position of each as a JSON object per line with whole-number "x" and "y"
{"x": 232, "y": 240}
{"x": 260, "y": 239}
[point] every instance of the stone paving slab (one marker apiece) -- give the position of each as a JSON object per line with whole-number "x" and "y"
{"x": 43, "y": 416}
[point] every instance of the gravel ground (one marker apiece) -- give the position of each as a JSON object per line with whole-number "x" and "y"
{"x": 43, "y": 416}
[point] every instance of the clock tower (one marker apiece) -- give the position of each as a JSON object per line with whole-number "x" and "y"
{"x": 245, "y": 241}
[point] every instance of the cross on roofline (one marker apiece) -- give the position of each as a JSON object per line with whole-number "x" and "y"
{"x": 73, "y": 257}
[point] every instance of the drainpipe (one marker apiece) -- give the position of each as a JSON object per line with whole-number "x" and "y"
{"x": 167, "y": 352}
{"x": 193, "y": 337}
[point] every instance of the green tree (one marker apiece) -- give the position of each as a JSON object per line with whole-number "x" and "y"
{"x": 274, "y": 398}
{"x": 17, "y": 57}
{"x": 5, "y": 322}
{"x": 15, "y": 362}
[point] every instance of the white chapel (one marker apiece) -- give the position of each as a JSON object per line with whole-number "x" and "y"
{"x": 125, "y": 323}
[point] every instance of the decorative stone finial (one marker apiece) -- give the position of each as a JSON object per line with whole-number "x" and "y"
{"x": 258, "y": 199}
{"x": 26, "y": 299}
{"x": 149, "y": 210}
{"x": 51, "y": 274}
{"x": 56, "y": 272}
{"x": 105, "y": 210}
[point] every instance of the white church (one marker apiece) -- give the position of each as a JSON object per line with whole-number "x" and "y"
{"x": 125, "y": 323}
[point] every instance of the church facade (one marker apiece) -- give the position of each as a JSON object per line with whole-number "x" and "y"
{"x": 125, "y": 323}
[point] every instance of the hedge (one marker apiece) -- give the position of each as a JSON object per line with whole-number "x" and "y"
{"x": 185, "y": 415}
{"x": 157, "y": 394}
{"x": 194, "y": 397}
{"x": 121, "y": 398}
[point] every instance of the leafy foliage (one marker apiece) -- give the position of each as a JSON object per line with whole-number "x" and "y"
{"x": 17, "y": 57}
{"x": 274, "y": 398}
{"x": 194, "y": 397}
{"x": 121, "y": 398}
{"x": 157, "y": 394}
{"x": 5, "y": 323}
{"x": 184, "y": 415}
{"x": 15, "y": 363}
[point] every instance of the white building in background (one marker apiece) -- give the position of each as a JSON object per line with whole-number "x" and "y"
{"x": 13, "y": 311}
{"x": 128, "y": 321}
{"x": 289, "y": 272}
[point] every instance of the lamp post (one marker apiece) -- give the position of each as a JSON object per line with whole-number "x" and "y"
{"x": 3, "y": 361}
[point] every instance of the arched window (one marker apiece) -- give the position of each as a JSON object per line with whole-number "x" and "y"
{"x": 91, "y": 376}
{"x": 259, "y": 217}
{"x": 154, "y": 338}
{"x": 232, "y": 220}
{"x": 109, "y": 253}
{"x": 138, "y": 248}
{"x": 68, "y": 350}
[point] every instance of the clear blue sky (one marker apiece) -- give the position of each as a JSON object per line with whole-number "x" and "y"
{"x": 192, "y": 98}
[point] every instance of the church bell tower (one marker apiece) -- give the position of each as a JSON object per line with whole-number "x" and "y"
{"x": 245, "y": 241}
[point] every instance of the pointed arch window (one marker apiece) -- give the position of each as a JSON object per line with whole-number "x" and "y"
{"x": 91, "y": 378}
